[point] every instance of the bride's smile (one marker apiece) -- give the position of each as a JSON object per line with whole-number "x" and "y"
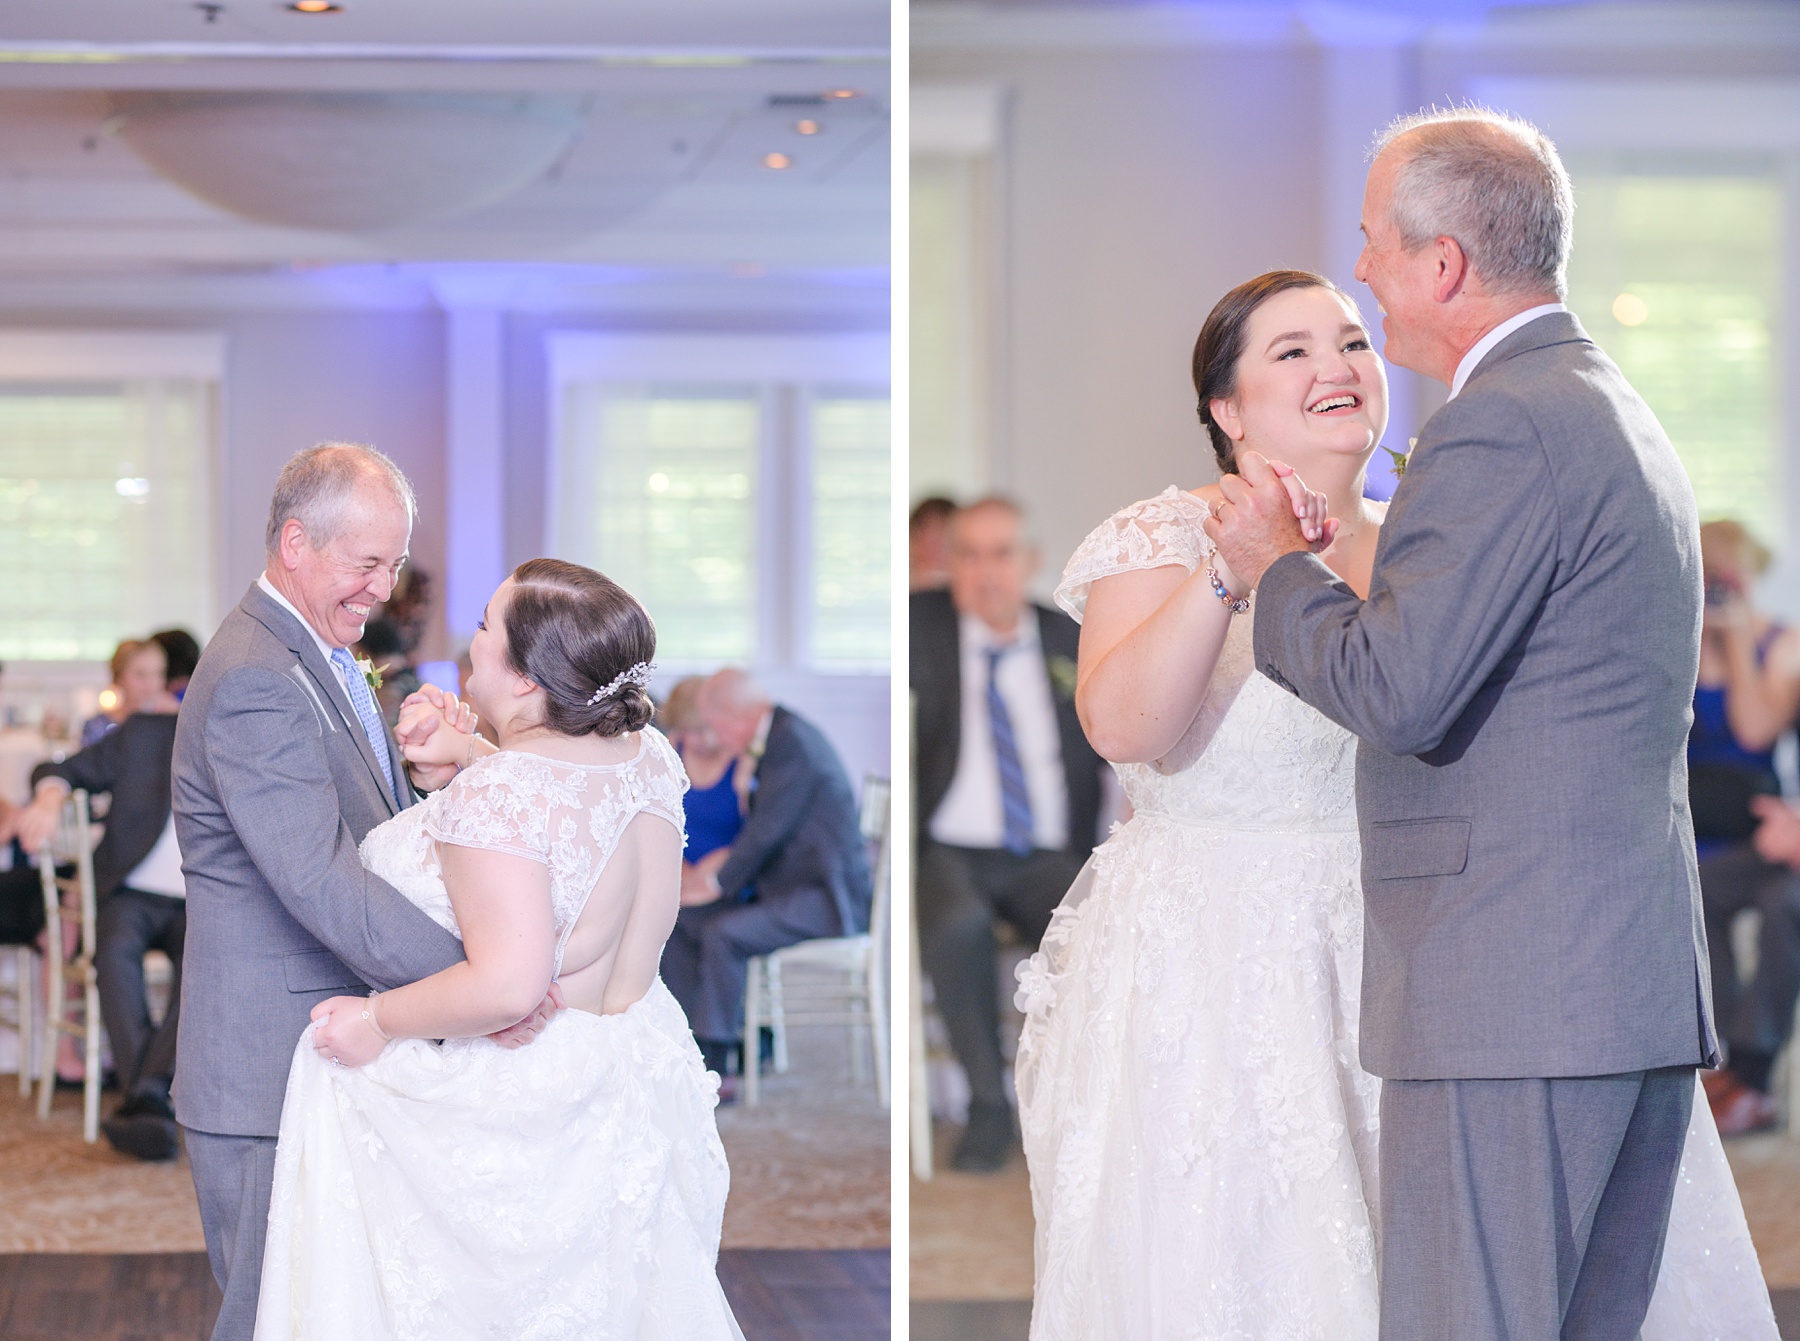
{"x": 1310, "y": 384}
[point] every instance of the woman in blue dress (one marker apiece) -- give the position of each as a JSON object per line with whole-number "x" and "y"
{"x": 718, "y": 783}
{"x": 1747, "y": 697}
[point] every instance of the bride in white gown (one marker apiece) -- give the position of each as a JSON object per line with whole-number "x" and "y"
{"x": 572, "y": 1188}
{"x": 1201, "y": 1139}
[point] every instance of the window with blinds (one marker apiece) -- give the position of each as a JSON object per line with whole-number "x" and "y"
{"x": 850, "y": 530}
{"x": 1676, "y": 273}
{"x": 742, "y": 495}
{"x": 660, "y": 485}
{"x": 106, "y": 518}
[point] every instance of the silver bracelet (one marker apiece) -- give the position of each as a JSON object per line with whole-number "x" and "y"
{"x": 369, "y": 1015}
{"x": 1236, "y": 604}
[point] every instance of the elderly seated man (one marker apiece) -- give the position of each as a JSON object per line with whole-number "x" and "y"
{"x": 797, "y": 869}
{"x": 138, "y": 880}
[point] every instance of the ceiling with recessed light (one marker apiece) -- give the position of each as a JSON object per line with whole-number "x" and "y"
{"x": 152, "y": 135}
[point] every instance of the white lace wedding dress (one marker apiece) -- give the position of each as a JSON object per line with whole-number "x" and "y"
{"x": 1202, "y": 1141}
{"x": 571, "y": 1188}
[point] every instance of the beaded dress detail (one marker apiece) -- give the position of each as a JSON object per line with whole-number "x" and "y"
{"x": 570, "y": 1188}
{"x": 1201, "y": 1138}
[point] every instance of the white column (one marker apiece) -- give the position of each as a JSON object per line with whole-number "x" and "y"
{"x": 474, "y": 451}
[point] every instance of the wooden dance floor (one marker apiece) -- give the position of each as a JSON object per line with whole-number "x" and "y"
{"x": 779, "y": 1294}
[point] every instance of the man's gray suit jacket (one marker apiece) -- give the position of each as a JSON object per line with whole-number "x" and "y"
{"x": 275, "y": 785}
{"x": 1521, "y": 677}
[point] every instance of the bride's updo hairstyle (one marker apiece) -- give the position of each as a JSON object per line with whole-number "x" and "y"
{"x": 572, "y": 631}
{"x": 1221, "y": 345}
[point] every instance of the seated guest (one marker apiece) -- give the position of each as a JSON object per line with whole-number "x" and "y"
{"x": 1008, "y": 791}
{"x": 928, "y": 544}
{"x": 139, "y": 684}
{"x": 718, "y": 782}
{"x": 796, "y": 871}
{"x": 1747, "y": 696}
{"x": 181, "y": 653}
{"x": 138, "y": 880}
{"x": 21, "y": 896}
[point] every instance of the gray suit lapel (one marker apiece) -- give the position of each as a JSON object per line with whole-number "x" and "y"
{"x": 325, "y": 683}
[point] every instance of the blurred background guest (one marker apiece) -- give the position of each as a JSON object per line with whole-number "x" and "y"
{"x": 142, "y": 906}
{"x": 139, "y": 684}
{"x": 383, "y": 647}
{"x": 1747, "y": 697}
{"x": 718, "y": 791}
{"x": 21, "y": 896}
{"x": 928, "y": 543}
{"x": 1008, "y": 791}
{"x": 797, "y": 869}
{"x": 181, "y": 653}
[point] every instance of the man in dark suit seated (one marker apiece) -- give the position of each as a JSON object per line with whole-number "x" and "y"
{"x": 796, "y": 871}
{"x": 142, "y": 906}
{"x": 1008, "y": 791}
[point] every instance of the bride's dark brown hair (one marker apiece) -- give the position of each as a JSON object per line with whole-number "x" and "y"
{"x": 571, "y": 631}
{"x": 1221, "y": 345}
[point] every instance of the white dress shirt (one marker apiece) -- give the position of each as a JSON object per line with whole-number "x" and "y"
{"x": 971, "y": 813}
{"x": 160, "y": 870}
{"x": 1487, "y": 342}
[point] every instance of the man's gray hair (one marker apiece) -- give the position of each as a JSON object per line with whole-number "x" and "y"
{"x": 1493, "y": 182}
{"x": 318, "y": 487}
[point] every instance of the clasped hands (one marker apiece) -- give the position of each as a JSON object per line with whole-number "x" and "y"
{"x": 1266, "y": 512}
{"x": 433, "y": 757}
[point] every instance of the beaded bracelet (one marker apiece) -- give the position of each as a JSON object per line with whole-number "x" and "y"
{"x": 1236, "y": 604}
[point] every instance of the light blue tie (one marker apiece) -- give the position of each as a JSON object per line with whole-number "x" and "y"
{"x": 1015, "y": 799}
{"x": 364, "y": 703}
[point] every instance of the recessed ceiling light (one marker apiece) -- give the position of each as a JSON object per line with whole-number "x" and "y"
{"x": 777, "y": 161}
{"x": 807, "y": 127}
{"x": 842, "y": 93}
{"x": 315, "y": 7}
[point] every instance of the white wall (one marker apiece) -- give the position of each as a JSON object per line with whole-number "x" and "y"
{"x": 1137, "y": 186}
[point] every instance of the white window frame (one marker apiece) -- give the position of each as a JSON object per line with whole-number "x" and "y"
{"x": 789, "y": 369}
{"x": 61, "y": 355}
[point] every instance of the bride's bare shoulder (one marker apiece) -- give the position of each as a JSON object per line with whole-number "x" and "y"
{"x": 1208, "y": 494}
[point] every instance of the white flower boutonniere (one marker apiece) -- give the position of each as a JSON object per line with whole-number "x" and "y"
{"x": 1401, "y": 458}
{"x": 370, "y": 672}
{"x": 1062, "y": 676}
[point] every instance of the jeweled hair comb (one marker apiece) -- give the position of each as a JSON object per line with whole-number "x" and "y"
{"x": 638, "y": 675}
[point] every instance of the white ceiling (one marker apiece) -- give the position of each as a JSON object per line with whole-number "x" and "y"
{"x": 557, "y": 23}
{"x": 682, "y": 100}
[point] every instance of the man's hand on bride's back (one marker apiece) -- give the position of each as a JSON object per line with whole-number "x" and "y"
{"x": 434, "y": 732}
{"x": 533, "y": 1024}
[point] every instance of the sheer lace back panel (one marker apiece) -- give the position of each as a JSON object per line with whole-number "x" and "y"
{"x": 1274, "y": 763}
{"x": 570, "y": 817}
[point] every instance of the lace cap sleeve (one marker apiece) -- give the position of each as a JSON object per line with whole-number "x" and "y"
{"x": 500, "y": 804}
{"x": 664, "y": 778}
{"x": 1155, "y": 533}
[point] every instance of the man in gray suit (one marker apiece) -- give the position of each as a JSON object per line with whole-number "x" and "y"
{"x": 1535, "y": 986}
{"x": 282, "y": 765}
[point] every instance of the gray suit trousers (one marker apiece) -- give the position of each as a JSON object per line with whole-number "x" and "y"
{"x": 1527, "y": 1210}
{"x": 234, "y": 1177}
